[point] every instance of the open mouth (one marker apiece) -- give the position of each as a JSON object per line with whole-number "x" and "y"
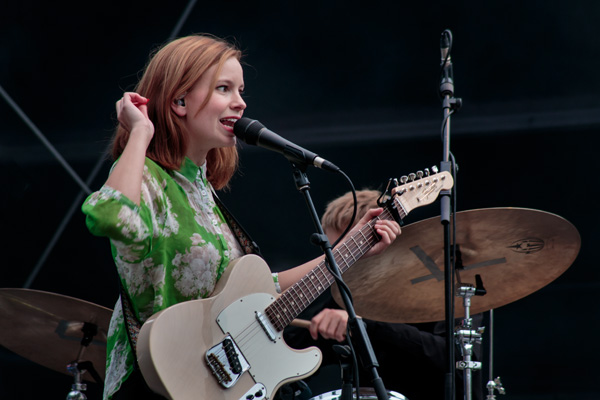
{"x": 228, "y": 122}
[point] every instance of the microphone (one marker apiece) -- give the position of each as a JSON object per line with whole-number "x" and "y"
{"x": 253, "y": 132}
{"x": 447, "y": 83}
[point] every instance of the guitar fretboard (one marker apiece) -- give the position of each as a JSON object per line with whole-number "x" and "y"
{"x": 300, "y": 295}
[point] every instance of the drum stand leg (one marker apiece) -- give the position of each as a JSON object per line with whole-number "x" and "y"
{"x": 493, "y": 384}
{"x": 466, "y": 337}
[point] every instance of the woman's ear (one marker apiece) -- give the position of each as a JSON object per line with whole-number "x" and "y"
{"x": 178, "y": 106}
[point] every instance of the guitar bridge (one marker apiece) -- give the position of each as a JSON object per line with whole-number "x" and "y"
{"x": 226, "y": 362}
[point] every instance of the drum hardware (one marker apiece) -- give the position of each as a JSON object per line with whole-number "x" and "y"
{"x": 59, "y": 332}
{"x": 493, "y": 384}
{"x": 466, "y": 337}
{"x": 77, "y": 369}
{"x": 77, "y": 388}
{"x": 363, "y": 394}
{"x": 347, "y": 367}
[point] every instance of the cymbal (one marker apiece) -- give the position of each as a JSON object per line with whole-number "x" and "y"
{"x": 516, "y": 251}
{"x": 46, "y": 328}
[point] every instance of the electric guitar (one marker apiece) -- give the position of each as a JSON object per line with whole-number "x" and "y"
{"x": 230, "y": 346}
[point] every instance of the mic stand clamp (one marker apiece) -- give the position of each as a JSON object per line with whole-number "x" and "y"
{"x": 357, "y": 327}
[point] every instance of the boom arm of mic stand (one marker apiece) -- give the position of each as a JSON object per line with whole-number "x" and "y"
{"x": 357, "y": 328}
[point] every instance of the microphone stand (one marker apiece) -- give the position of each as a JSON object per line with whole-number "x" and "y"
{"x": 449, "y": 104}
{"x": 357, "y": 327}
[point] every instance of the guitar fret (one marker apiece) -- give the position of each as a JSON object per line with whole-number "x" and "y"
{"x": 300, "y": 296}
{"x": 274, "y": 315}
{"x": 282, "y": 311}
{"x": 326, "y": 274}
{"x": 313, "y": 288}
{"x": 349, "y": 252}
{"x": 321, "y": 287}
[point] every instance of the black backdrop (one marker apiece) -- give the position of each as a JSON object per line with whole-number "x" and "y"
{"x": 355, "y": 84}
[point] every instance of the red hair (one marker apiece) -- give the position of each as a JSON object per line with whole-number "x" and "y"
{"x": 171, "y": 72}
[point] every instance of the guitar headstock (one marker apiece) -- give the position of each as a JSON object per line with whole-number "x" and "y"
{"x": 421, "y": 188}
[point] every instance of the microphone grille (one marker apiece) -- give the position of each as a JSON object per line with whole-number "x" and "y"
{"x": 247, "y": 130}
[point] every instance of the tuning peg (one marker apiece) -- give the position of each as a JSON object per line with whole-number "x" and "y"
{"x": 412, "y": 176}
{"x": 434, "y": 169}
{"x": 426, "y": 171}
{"x": 419, "y": 174}
{"x": 404, "y": 179}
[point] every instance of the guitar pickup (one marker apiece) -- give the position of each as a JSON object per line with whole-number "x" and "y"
{"x": 232, "y": 356}
{"x": 226, "y": 362}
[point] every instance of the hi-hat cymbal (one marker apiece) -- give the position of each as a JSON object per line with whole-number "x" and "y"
{"x": 47, "y": 328}
{"x": 516, "y": 251}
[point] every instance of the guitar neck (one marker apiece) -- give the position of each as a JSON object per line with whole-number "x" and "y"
{"x": 300, "y": 295}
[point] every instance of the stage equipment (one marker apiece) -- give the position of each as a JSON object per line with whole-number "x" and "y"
{"x": 59, "y": 332}
{"x": 515, "y": 251}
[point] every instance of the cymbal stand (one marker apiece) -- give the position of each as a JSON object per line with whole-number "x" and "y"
{"x": 467, "y": 337}
{"x": 78, "y": 367}
{"x": 493, "y": 384}
{"x": 77, "y": 388}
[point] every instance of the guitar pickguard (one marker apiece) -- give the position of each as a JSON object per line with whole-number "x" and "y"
{"x": 251, "y": 332}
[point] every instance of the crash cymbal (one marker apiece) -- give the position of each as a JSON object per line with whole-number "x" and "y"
{"x": 516, "y": 252}
{"x": 47, "y": 328}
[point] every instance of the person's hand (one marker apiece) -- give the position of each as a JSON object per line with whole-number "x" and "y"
{"x": 330, "y": 324}
{"x": 388, "y": 231}
{"x": 132, "y": 113}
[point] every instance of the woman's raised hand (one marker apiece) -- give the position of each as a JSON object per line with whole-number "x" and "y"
{"x": 132, "y": 113}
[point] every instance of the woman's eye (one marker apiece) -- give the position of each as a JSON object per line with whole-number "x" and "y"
{"x": 222, "y": 88}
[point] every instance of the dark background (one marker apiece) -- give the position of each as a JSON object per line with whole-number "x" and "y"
{"x": 355, "y": 82}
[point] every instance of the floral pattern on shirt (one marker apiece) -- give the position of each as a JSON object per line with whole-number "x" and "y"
{"x": 173, "y": 247}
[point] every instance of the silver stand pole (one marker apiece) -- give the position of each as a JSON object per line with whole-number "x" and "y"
{"x": 493, "y": 384}
{"x": 467, "y": 337}
{"x": 77, "y": 388}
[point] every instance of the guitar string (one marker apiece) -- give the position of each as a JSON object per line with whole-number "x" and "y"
{"x": 249, "y": 332}
{"x": 354, "y": 252}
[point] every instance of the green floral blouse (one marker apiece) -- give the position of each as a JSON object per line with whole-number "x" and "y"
{"x": 173, "y": 247}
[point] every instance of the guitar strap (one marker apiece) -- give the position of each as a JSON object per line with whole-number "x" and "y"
{"x": 248, "y": 245}
{"x": 134, "y": 325}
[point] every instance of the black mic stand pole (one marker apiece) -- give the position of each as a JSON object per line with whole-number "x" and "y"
{"x": 357, "y": 327}
{"x": 449, "y": 103}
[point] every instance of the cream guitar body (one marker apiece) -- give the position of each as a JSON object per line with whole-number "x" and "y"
{"x": 174, "y": 343}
